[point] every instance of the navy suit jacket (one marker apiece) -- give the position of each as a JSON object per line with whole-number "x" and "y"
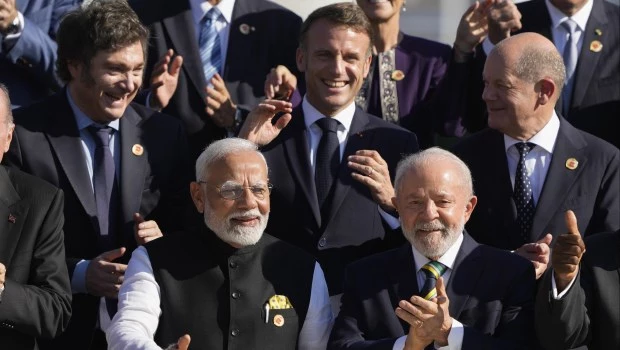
{"x": 272, "y": 40}
{"x": 595, "y": 104}
{"x": 46, "y": 143}
{"x": 36, "y": 302}
{"x": 590, "y": 190}
{"x": 491, "y": 292}
{"x": 353, "y": 227}
{"x": 589, "y": 313}
{"x": 28, "y": 68}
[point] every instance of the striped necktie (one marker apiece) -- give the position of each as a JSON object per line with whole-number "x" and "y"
{"x": 209, "y": 42}
{"x": 432, "y": 270}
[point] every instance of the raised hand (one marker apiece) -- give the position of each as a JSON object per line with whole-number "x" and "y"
{"x": 164, "y": 79}
{"x": 504, "y": 18}
{"x": 472, "y": 30}
{"x": 258, "y": 126}
{"x": 372, "y": 171}
{"x": 537, "y": 253}
{"x": 8, "y": 12}
{"x": 103, "y": 276}
{"x": 280, "y": 83}
{"x": 145, "y": 231}
{"x": 567, "y": 253}
{"x": 220, "y": 107}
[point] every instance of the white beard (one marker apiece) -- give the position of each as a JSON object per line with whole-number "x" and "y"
{"x": 236, "y": 234}
{"x": 433, "y": 246}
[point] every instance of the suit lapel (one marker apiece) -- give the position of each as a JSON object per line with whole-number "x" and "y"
{"x": 12, "y": 216}
{"x": 464, "y": 276}
{"x": 296, "y": 152}
{"x": 501, "y": 175}
{"x": 133, "y": 166}
{"x": 184, "y": 39}
{"x": 404, "y": 279}
{"x": 356, "y": 141}
{"x": 64, "y": 139}
{"x": 559, "y": 179}
{"x": 588, "y": 59}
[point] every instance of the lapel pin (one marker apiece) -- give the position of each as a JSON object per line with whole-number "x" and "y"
{"x": 12, "y": 218}
{"x": 572, "y": 163}
{"x": 137, "y": 149}
{"x": 244, "y": 29}
{"x": 397, "y": 75}
{"x": 598, "y": 32}
{"x": 278, "y": 320}
{"x": 596, "y": 46}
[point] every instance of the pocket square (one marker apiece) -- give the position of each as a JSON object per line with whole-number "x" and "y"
{"x": 278, "y": 302}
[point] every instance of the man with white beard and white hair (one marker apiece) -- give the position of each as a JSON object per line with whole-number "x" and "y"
{"x": 230, "y": 285}
{"x": 442, "y": 290}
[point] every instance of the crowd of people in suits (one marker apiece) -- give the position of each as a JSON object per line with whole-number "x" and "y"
{"x": 219, "y": 174}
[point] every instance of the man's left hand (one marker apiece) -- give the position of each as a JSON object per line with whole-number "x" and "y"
{"x": 145, "y": 231}
{"x": 2, "y": 274}
{"x": 371, "y": 170}
{"x": 472, "y": 30}
{"x": 429, "y": 319}
{"x": 220, "y": 107}
{"x": 538, "y": 253}
{"x": 8, "y": 12}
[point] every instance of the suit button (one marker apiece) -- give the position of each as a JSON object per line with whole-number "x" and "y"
{"x": 234, "y": 332}
{"x": 233, "y": 264}
{"x": 322, "y": 242}
{"x": 236, "y": 295}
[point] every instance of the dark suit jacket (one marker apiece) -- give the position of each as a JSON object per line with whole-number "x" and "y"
{"x": 46, "y": 143}
{"x": 491, "y": 292}
{"x": 589, "y": 314}
{"x": 28, "y": 67}
{"x": 353, "y": 228}
{"x": 36, "y": 302}
{"x": 272, "y": 40}
{"x": 596, "y": 94}
{"x": 591, "y": 190}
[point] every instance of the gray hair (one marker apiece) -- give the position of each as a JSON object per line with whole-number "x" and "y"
{"x": 7, "y": 99}
{"x": 221, "y": 149}
{"x": 428, "y": 157}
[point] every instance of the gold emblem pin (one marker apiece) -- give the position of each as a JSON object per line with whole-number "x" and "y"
{"x": 572, "y": 163}
{"x": 137, "y": 149}
{"x": 598, "y": 32}
{"x": 278, "y": 320}
{"x": 244, "y": 29}
{"x": 397, "y": 75}
{"x": 596, "y": 46}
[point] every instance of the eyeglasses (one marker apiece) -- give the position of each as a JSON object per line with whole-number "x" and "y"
{"x": 234, "y": 191}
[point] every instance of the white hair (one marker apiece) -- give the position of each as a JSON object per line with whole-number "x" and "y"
{"x": 221, "y": 149}
{"x": 428, "y": 157}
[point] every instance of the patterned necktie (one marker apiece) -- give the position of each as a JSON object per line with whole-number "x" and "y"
{"x": 523, "y": 192}
{"x": 570, "y": 56}
{"x": 327, "y": 158}
{"x": 106, "y": 194}
{"x": 209, "y": 42}
{"x": 432, "y": 270}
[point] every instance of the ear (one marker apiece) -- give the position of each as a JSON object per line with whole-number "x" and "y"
{"x": 367, "y": 66}
{"x": 395, "y": 203}
{"x": 300, "y": 57}
{"x": 75, "y": 69}
{"x": 197, "y": 196}
{"x": 546, "y": 90}
{"x": 469, "y": 207}
{"x": 9, "y": 137}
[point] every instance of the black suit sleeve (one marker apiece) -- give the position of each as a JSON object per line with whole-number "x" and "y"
{"x": 40, "y": 306}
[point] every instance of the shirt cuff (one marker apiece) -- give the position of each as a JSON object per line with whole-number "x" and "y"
{"x": 393, "y": 222}
{"x": 78, "y": 281}
{"x": 455, "y": 338}
{"x": 554, "y": 289}
{"x": 487, "y": 46}
{"x": 400, "y": 343}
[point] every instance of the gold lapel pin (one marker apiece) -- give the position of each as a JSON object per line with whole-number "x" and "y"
{"x": 397, "y": 75}
{"x": 572, "y": 163}
{"x": 596, "y": 46}
{"x": 598, "y": 32}
{"x": 137, "y": 149}
{"x": 278, "y": 320}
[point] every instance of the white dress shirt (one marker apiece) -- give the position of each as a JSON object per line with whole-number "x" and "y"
{"x": 455, "y": 338}
{"x": 135, "y": 323}
{"x": 559, "y": 34}
{"x": 538, "y": 159}
{"x": 314, "y": 134}
{"x": 222, "y": 25}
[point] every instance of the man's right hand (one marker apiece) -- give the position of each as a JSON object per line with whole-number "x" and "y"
{"x": 103, "y": 276}
{"x": 280, "y": 83}
{"x": 164, "y": 79}
{"x": 567, "y": 253}
{"x": 504, "y": 18}
{"x": 258, "y": 126}
{"x": 8, "y": 12}
{"x": 182, "y": 343}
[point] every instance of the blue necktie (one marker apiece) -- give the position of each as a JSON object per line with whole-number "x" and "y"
{"x": 209, "y": 42}
{"x": 522, "y": 195}
{"x": 570, "y": 56}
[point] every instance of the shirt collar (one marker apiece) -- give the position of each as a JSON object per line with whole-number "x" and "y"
{"x": 311, "y": 114}
{"x": 581, "y": 17}
{"x": 201, "y": 7}
{"x": 82, "y": 120}
{"x": 447, "y": 259}
{"x": 545, "y": 138}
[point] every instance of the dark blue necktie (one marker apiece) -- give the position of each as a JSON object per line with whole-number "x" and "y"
{"x": 327, "y": 158}
{"x": 106, "y": 196}
{"x": 522, "y": 195}
{"x": 570, "y": 57}
{"x": 209, "y": 44}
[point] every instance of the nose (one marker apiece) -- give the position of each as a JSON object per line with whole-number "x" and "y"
{"x": 247, "y": 199}
{"x": 129, "y": 82}
{"x": 487, "y": 93}
{"x": 338, "y": 65}
{"x": 429, "y": 211}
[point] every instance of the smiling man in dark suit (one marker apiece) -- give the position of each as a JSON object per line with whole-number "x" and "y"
{"x": 35, "y": 294}
{"x": 531, "y": 165}
{"x": 443, "y": 289}
{"x": 111, "y": 157}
